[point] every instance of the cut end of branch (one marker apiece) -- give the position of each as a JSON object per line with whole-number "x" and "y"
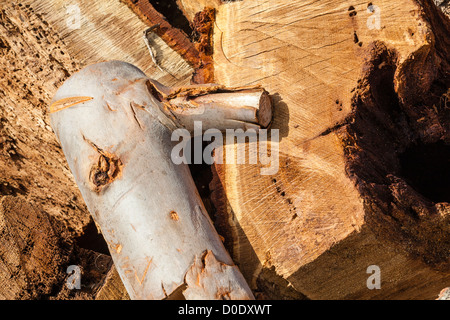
{"x": 265, "y": 110}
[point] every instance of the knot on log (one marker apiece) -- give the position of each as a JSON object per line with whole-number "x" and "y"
{"x": 107, "y": 168}
{"x": 105, "y": 171}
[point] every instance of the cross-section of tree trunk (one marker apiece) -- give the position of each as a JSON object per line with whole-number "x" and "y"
{"x": 361, "y": 91}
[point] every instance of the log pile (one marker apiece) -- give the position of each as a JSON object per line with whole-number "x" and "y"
{"x": 361, "y": 104}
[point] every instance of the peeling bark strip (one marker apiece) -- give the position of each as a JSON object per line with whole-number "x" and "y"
{"x": 208, "y": 274}
{"x": 151, "y": 214}
{"x": 67, "y": 103}
{"x": 197, "y": 54}
{"x": 175, "y": 38}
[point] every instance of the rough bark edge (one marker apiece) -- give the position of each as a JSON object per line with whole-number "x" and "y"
{"x": 175, "y": 38}
{"x": 203, "y": 25}
{"x": 206, "y": 274}
{"x": 224, "y": 213}
{"x": 198, "y": 53}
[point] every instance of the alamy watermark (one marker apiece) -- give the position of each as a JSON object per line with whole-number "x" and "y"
{"x": 74, "y": 279}
{"x": 374, "y": 21}
{"x": 73, "y": 20}
{"x": 374, "y": 280}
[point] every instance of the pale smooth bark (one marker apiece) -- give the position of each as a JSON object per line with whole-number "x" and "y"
{"x": 115, "y": 126}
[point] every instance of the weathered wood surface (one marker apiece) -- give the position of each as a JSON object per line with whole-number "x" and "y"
{"x": 313, "y": 229}
{"x": 35, "y": 182}
{"x": 38, "y": 51}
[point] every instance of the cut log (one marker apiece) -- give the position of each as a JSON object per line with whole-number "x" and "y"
{"x": 116, "y": 127}
{"x": 361, "y": 104}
